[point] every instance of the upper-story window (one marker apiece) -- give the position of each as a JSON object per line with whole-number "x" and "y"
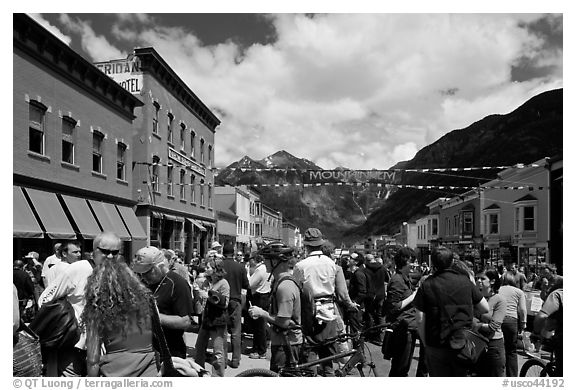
{"x": 202, "y": 192}
{"x": 170, "y": 180}
{"x": 434, "y": 227}
{"x": 182, "y": 135}
{"x": 525, "y": 213}
{"x": 202, "y": 151}
{"x": 37, "y": 118}
{"x": 155, "y": 116}
{"x": 192, "y": 188}
{"x": 156, "y": 174}
{"x": 182, "y": 184}
{"x": 468, "y": 222}
{"x": 68, "y": 139}
{"x": 210, "y": 196}
{"x": 491, "y": 223}
{"x": 97, "y": 151}
{"x": 209, "y": 155}
{"x": 192, "y": 141}
{"x": 121, "y": 161}
{"x": 169, "y": 127}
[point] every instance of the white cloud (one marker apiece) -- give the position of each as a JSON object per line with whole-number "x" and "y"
{"x": 50, "y": 27}
{"x": 97, "y": 46}
{"x": 357, "y": 90}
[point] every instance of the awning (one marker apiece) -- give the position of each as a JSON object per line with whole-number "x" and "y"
{"x": 82, "y": 216}
{"x": 110, "y": 219}
{"x": 132, "y": 222}
{"x": 24, "y": 223}
{"x": 174, "y": 218}
{"x": 51, "y": 214}
{"x": 156, "y": 214}
{"x": 197, "y": 224}
{"x": 209, "y": 224}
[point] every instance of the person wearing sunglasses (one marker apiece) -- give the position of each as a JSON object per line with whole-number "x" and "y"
{"x": 71, "y": 277}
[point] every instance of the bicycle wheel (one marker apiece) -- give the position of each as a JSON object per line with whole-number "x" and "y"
{"x": 533, "y": 368}
{"x": 368, "y": 368}
{"x": 252, "y": 372}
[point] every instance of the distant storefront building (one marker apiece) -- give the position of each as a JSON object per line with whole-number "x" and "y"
{"x": 73, "y": 147}
{"x": 173, "y": 153}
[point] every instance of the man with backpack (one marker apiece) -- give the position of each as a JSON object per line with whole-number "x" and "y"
{"x": 378, "y": 279}
{"x": 285, "y": 311}
{"x": 318, "y": 275}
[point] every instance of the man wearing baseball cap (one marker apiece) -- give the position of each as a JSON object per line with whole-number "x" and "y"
{"x": 172, "y": 294}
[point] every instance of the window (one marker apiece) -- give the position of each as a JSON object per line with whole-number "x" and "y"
{"x": 209, "y": 155}
{"x": 456, "y": 224}
{"x": 467, "y": 223}
{"x": 37, "y": 115}
{"x": 491, "y": 223}
{"x": 182, "y": 135}
{"x": 529, "y": 219}
{"x": 182, "y": 184}
{"x": 201, "y": 192}
{"x": 169, "y": 126}
{"x": 525, "y": 218}
{"x": 192, "y": 140}
{"x": 97, "y": 141}
{"x": 192, "y": 189}
{"x": 155, "y": 174}
{"x": 238, "y": 227}
{"x": 434, "y": 227}
{"x": 170, "y": 180}
{"x": 121, "y": 162}
{"x": 258, "y": 229}
{"x": 155, "y": 117}
{"x": 210, "y": 196}
{"x": 68, "y": 137}
{"x": 202, "y": 151}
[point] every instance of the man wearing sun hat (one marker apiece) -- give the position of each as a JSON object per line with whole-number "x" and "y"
{"x": 172, "y": 294}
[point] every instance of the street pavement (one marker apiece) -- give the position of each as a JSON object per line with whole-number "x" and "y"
{"x": 382, "y": 365}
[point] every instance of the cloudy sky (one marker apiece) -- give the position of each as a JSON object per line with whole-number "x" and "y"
{"x": 361, "y": 91}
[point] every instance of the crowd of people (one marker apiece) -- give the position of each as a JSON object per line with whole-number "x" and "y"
{"x": 129, "y": 309}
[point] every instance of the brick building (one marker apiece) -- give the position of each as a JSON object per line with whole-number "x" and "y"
{"x": 73, "y": 147}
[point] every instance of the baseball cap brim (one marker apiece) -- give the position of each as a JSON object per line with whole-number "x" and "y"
{"x": 141, "y": 268}
{"x": 316, "y": 242}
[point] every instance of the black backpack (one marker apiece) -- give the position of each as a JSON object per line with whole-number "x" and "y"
{"x": 56, "y": 325}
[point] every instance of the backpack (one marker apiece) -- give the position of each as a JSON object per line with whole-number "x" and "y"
{"x": 311, "y": 328}
{"x": 56, "y": 325}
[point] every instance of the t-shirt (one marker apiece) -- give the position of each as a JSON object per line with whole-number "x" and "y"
{"x": 495, "y": 316}
{"x": 515, "y": 302}
{"x": 70, "y": 283}
{"x": 317, "y": 273}
{"x": 173, "y": 297}
{"x": 236, "y": 277}
{"x": 447, "y": 299}
{"x": 286, "y": 304}
{"x": 259, "y": 280}
{"x": 48, "y": 264}
{"x": 553, "y": 308}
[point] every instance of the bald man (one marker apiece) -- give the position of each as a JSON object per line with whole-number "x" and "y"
{"x": 70, "y": 283}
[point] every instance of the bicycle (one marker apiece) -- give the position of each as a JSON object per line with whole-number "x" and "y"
{"x": 537, "y": 366}
{"x": 357, "y": 359}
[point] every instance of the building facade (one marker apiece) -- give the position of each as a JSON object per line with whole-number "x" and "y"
{"x": 72, "y": 147}
{"x": 173, "y": 154}
{"x": 271, "y": 224}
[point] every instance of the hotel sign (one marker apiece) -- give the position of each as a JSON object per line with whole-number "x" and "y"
{"x": 126, "y": 72}
{"x": 188, "y": 163}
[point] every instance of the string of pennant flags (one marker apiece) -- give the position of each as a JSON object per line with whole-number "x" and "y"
{"x": 417, "y": 170}
{"x": 380, "y": 185}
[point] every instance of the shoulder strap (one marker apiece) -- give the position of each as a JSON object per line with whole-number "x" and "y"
{"x": 165, "y": 357}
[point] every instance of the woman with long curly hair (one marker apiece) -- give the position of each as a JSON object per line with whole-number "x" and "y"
{"x": 117, "y": 316}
